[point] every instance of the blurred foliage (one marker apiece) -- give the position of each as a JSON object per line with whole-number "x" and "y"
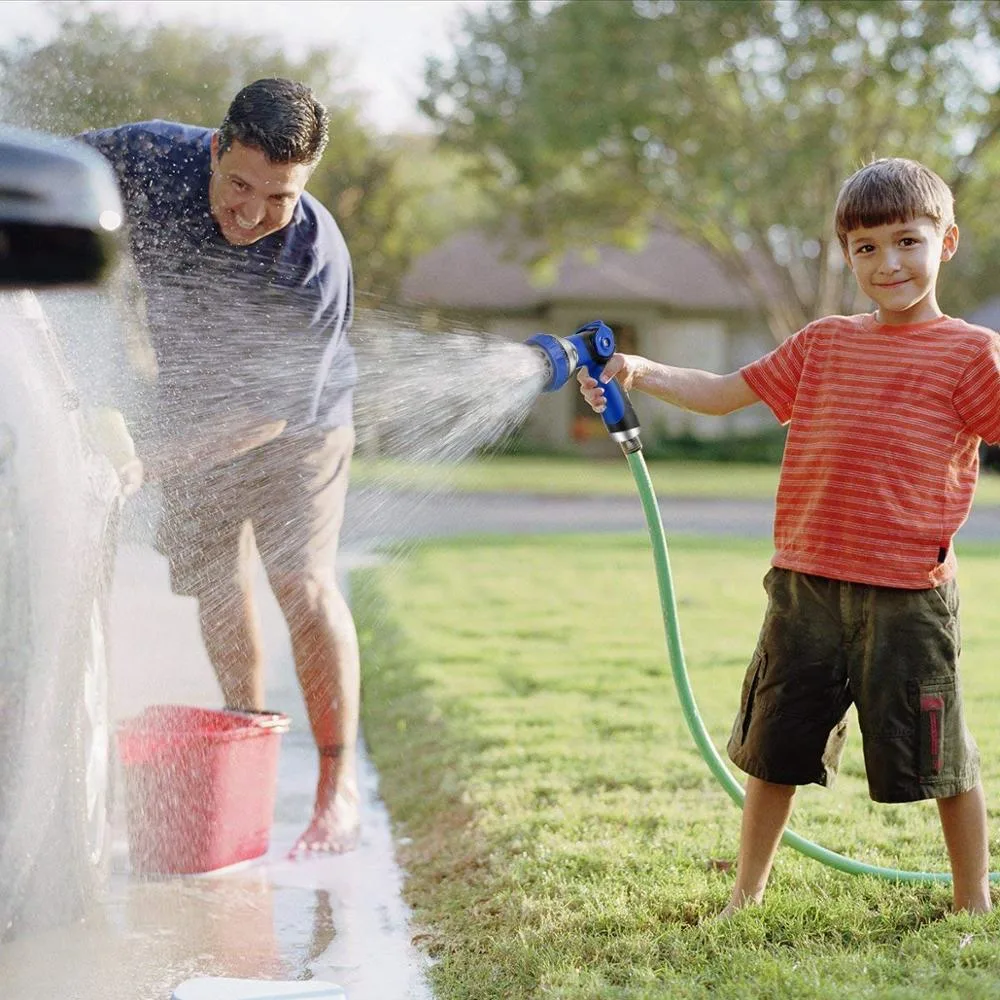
{"x": 761, "y": 448}
{"x": 100, "y": 71}
{"x": 735, "y": 123}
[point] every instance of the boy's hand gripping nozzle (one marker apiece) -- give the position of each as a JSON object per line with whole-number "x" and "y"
{"x": 590, "y": 347}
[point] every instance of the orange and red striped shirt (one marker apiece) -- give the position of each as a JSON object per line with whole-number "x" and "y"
{"x": 881, "y": 458}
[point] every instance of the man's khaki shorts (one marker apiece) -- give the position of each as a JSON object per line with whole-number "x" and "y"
{"x": 893, "y": 653}
{"x": 287, "y": 496}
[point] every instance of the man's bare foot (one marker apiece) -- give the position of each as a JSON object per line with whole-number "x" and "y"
{"x": 336, "y": 822}
{"x": 334, "y": 829}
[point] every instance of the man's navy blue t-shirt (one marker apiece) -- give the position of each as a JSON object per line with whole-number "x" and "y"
{"x": 258, "y": 330}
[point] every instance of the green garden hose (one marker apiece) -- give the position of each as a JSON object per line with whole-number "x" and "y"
{"x": 702, "y": 740}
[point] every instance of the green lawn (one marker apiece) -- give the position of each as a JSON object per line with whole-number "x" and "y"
{"x": 606, "y": 477}
{"x": 565, "y": 840}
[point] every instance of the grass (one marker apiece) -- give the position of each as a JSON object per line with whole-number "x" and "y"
{"x": 565, "y": 840}
{"x": 603, "y": 477}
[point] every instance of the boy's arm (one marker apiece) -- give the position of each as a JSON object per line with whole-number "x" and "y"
{"x": 688, "y": 388}
{"x": 976, "y": 397}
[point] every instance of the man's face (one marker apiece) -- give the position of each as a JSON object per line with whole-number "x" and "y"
{"x": 896, "y": 266}
{"x": 249, "y": 196}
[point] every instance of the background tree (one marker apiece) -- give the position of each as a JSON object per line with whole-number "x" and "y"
{"x": 100, "y": 71}
{"x": 733, "y": 123}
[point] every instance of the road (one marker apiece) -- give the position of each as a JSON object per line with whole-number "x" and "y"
{"x": 375, "y": 516}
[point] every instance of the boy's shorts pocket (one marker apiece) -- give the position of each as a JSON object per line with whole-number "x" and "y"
{"x": 741, "y": 725}
{"x": 940, "y": 727}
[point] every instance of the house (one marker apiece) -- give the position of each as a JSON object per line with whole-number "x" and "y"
{"x": 669, "y": 301}
{"x": 988, "y": 314}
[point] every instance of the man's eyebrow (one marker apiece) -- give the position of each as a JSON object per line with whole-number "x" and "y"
{"x": 235, "y": 175}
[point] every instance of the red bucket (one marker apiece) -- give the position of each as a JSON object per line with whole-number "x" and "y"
{"x": 200, "y": 786}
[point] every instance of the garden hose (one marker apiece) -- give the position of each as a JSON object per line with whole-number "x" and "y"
{"x": 706, "y": 748}
{"x": 591, "y": 347}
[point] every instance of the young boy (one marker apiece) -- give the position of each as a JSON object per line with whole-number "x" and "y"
{"x": 885, "y": 413}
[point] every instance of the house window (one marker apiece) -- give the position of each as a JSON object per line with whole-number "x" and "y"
{"x": 587, "y": 424}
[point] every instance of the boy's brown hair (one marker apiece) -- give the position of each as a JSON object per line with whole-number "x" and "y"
{"x": 892, "y": 190}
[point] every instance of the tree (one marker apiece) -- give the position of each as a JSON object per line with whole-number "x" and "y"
{"x": 99, "y": 71}
{"x": 733, "y": 122}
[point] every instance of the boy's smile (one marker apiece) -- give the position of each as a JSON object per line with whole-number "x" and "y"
{"x": 896, "y": 266}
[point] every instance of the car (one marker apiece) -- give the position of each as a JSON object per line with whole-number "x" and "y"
{"x": 61, "y": 497}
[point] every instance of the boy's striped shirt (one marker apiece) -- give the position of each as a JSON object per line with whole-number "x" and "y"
{"x": 881, "y": 458}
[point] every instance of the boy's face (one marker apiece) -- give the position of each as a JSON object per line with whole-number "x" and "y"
{"x": 896, "y": 266}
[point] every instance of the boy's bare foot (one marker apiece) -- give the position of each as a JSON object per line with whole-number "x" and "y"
{"x": 734, "y": 906}
{"x": 976, "y": 907}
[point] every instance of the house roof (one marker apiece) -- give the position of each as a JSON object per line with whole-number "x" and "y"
{"x": 474, "y": 270}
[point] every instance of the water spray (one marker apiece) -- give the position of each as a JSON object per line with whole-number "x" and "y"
{"x": 591, "y": 347}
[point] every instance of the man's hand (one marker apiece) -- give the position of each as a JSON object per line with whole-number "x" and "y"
{"x": 109, "y": 434}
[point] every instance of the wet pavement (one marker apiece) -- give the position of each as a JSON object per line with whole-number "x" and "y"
{"x": 339, "y": 919}
{"x": 335, "y": 919}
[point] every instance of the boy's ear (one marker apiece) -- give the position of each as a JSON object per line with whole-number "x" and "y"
{"x": 847, "y": 258}
{"x": 949, "y": 243}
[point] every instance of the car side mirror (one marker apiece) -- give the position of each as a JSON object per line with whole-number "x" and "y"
{"x": 60, "y": 211}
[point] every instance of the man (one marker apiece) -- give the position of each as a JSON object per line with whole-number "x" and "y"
{"x": 249, "y": 296}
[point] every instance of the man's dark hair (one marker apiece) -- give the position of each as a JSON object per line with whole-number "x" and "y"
{"x": 281, "y": 118}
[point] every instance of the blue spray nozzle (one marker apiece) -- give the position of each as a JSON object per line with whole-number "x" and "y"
{"x": 595, "y": 343}
{"x": 560, "y": 359}
{"x": 590, "y": 347}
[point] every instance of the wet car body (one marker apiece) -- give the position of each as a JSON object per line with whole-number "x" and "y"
{"x": 60, "y": 501}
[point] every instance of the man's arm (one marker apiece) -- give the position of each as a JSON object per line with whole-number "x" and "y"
{"x": 688, "y": 388}
{"x": 333, "y": 283}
